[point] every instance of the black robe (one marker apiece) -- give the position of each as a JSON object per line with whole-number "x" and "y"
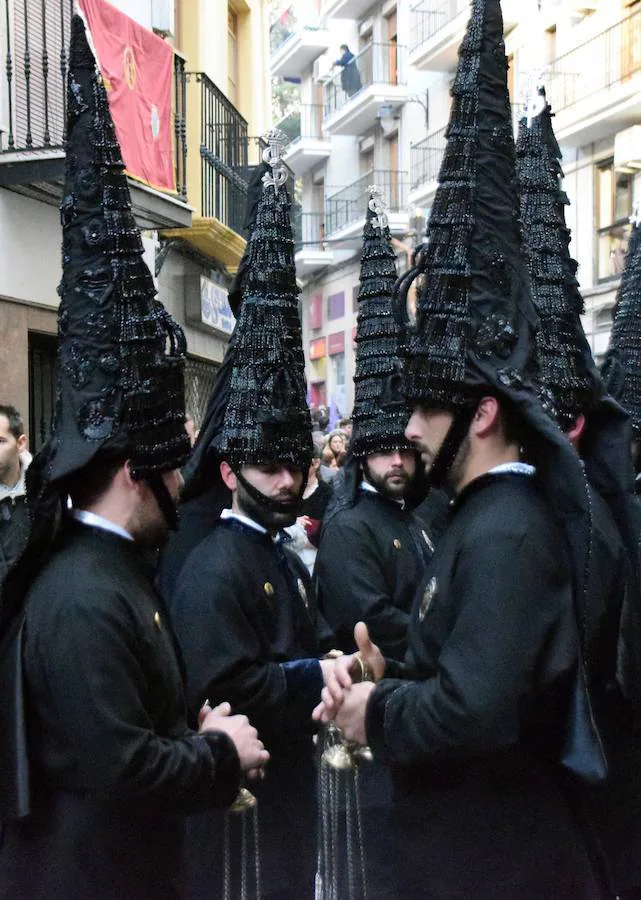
{"x": 480, "y": 808}
{"x": 115, "y": 766}
{"x": 371, "y": 557}
{"x": 245, "y": 615}
{"x": 613, "y": 808}
{"x": 197, "y": 518}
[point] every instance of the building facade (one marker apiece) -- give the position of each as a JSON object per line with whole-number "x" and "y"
{"x": 388, "y": 127}
{"x": 193, "y": 237}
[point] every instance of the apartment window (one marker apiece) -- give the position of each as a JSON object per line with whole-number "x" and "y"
{"x": 365, "y": 37}
{"x": 366, "y": 161}
{"x": 336, "y": 306}
{"x": 601, "y": 336}
{"x": 316, "y": 312}
{"x": 232, "y": 56}
{"x": 511, "y": 74}
{"x": 392, "y": 188}
{"x": 355, "y": 291}
{"x": 338, "y": 370}
{"x": 392, "y": 39}
{"x": 43, "y": 373}
{"x": 338, "y": 381}
{"x": 614, "y": 193}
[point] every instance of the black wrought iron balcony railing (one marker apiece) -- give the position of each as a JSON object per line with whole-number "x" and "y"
{"x": 33, "y": 96}
{"x": 349, "y": 205}
{"x": 224, "y": 156}
{"x": 228, "y": 155}
{"x": 426, "y": 157}
{"x": 309, "y": 231}
{"x": 574, "y": 76}
{"x": 376, "y": 64}
{"x": 304, "y": 122}
{"x": 429, "y": 16}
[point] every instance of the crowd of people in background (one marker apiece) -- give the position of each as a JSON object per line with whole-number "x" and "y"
{"x": 450, "y": 707}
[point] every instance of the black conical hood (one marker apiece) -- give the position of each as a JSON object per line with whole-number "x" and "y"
{"x": 118, "y": 390}
{"x": 569, "y": 381}
{"x": 202, "y": 470}
{"x": 380, "y": 413}
{"x": 116, "y": 380}
{"x": 622, "y": 366}
{"x": 476, "y": 322}
{"x": 267, "y": 417}
{"x": 475, "y": 317}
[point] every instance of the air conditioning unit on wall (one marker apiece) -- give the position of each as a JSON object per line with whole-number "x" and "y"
{"x": 322, "y": 68}
{"x": 163, "y": 16}
{"x": 627, "y": 149}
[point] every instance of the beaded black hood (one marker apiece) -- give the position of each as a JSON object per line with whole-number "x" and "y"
{"x": 475, "y": 328}
{"x": 117, "y": 379}
{"x": 622, "y": 366}
{"x": 258, "y": 409}
{"x": 380, "y": 413}
{"x": 120, "y": 354}
{"x": 569, "y": 382}
{"x": 475, "y": 319}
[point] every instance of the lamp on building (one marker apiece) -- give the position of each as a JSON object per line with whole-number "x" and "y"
{"x": 388, "y": 116}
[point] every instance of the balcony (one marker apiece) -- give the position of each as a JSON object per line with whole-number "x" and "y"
{"x": 312, "y": 251}
{"x": 34, "y": 45}
{"x": 218, "y": 175}
{"x": 353, "y": 96}
{"x": 346, "y": 9}
{"x": 295, "y": 43}
{"x": 438, "y": 26}
{"x": 594, "y": 101}
{"x": 345, "y": 210}
{"x": 307, "y": 147}
{"x": 425, "y": 163}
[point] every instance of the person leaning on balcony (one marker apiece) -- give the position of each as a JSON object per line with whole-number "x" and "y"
{"x": 350, "y": 76}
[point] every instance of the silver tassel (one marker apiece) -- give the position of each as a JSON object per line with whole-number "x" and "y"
{"x": 341, "y": 821}
{"x": 244, "y": 806}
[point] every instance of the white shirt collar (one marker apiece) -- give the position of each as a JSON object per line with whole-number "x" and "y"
{"x": 309, "y": 491}
{"x": 513, "y": 468}
{"x": 96, "y": 521}
{"x": 366, "y": 486}
{"x": 230, "y": 514}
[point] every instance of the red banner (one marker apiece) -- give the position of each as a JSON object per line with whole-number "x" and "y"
{"x": 136, "y": 67}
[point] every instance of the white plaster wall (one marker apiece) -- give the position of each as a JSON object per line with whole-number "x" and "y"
{"x": 140, "y": 10}
{"x": 30, "y": 260}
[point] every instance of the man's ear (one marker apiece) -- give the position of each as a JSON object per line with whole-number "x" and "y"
{"x": 128, "y": 478}
{"x": 576, "y": 430}
{"x": 227, "y": 474}
{"x": 22, "y": 443}
{"x": 487, "y": 417}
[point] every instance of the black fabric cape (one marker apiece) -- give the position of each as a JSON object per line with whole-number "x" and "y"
{"x": 475, "y": 735}
{"x": 115, "y": 766}
{"x": 244, "y": 612}
{"x": 371, "y": 557}
{"x": 14, "y": 531}
{"x": 610, "y": 812}
{"x": 197, "y": 519}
